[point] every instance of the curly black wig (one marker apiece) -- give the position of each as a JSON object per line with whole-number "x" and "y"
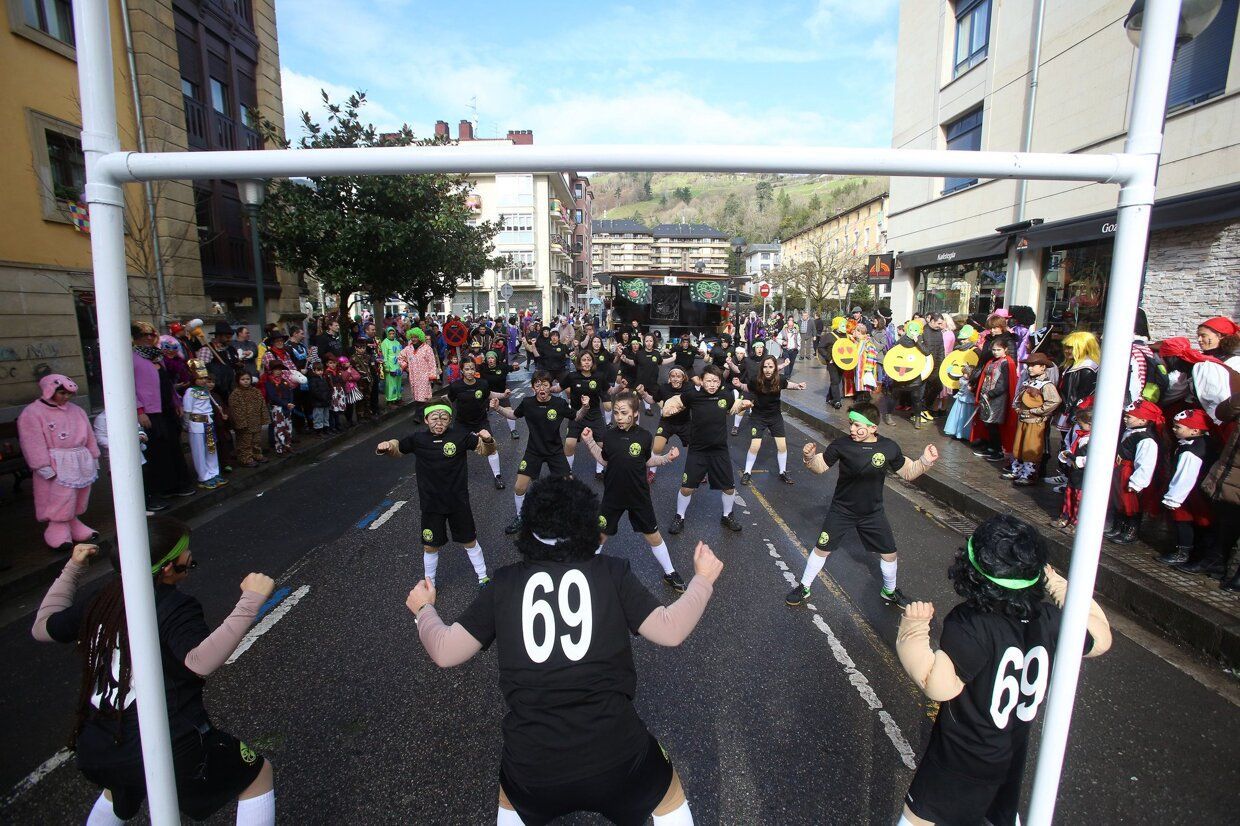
{"x": 1022, "y": 314}
{"x": 563, "y": 509}
{"x": 1007, "y": 548}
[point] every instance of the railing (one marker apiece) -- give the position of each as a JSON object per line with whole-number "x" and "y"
{"x": 195, "y": 123}
{"x": 224, "y": 131}
{"x": 250, "y": 139}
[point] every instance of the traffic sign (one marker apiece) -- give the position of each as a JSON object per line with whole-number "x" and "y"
{"x": 764, "y": 289}
{"x": 455, "y": 333}
{"x": 505, "y": 291}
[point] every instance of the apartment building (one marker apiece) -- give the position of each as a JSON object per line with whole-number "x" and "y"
{"x": 760, "y": 259}
{"x": 621, "y": 245}
{"x": 965, "y": 80}
{"x": 690, "y": 247}
{"x": 583, "y": 199}
{"x": 203, "y": 71}
{"x": 843, "y": 242}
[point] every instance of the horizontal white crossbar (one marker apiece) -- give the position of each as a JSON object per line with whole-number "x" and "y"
{"x": 122, "y": 167}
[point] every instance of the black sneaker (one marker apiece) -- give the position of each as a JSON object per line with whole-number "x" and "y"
{"x": 190, "y": 491}
{"x": 598, "y": 474}
{"x": 745, "y": 478}
{"x": 786, "y": 479}
{"x": 678, "y": 524}
{"x": 981, "y": 451}
{"x": 729, "y": 522}
{"x": 513, "y": 527}
{"x": 796, "y": 596}
{"x": 674, "y": 582}
{"x": 1008, "y": 474}
{"x": 993, "y": 457}
{"x": 484, "y": 582}
{"x": 499, "y": 482}
{"x": 154, "y": 504}
{"x": 895, "y": 597}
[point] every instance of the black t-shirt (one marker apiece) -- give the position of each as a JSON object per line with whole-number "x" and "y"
{"x": 686, "y": 358}
{"x": 496, "y": 377}
{"x": 594, "y": 386}
{"x": 863, "y": 466}
{"x": 648, "y": 364}
{"x": 470, "y": 400}
{"x": 182, "y": 627}
{"x": 626, "y": 453}
{"x": 719, "y": 355}
{"x": 552, "y": 356}
{"x": 664, "y": 392}
{"x": 544, "y": 422}
{"x": 443, "y": 471}
{"x": 565, "y": 664}
{"x": 629, "y": 371}
{"x": 709, "y": 412}
{"x": 1005, "y": 664}
{"x": 764, "y": 404}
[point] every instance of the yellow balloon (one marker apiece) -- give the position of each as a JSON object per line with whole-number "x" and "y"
{"x": 949, "y": 371}
{"x": 906, "y": 363}
{"x": 845, "y": 353}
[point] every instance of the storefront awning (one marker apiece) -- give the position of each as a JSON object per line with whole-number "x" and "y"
{"x": 970, "y": 250}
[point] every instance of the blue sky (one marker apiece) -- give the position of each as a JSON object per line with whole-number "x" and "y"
{"x": 677, "y": 71}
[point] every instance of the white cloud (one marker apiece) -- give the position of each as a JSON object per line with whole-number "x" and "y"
{"x": 304, "y": 93}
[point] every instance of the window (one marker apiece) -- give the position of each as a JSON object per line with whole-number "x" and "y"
{"x": 189, "y": 88}
{"x": 577, "y": 191}
{"x": 219, "y": 96}
{"x": 1200, "y": 69}
{"x": 518, "y": 228}
{"x": 53, "y": 18}
{"x": 577, "y": 216}
{"x": 514, "y": 190}
{"x": 965, "y": 134}
{"x": 67, "y": 165}
{"x": 972, "y": 34}
{"x": 59, "y": 165}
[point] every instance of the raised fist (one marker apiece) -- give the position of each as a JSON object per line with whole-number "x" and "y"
{"x": 919, "y": 611}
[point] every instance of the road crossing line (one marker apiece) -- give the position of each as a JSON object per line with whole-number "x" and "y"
{"x": 374, "y": 514}
{"x": 29, "y": 781}
{"x": 387, "y": 514}
{"x": 267, "y": 623}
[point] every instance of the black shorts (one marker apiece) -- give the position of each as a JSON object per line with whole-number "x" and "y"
{"x": 682, "y": 431}
{"x": 435, "y": 527}
{"x": 474, "y": 426}
{"x": 773, "y": 423}
{"x": 626, "y": 795}
{"x": 714, "y": 465}
{"x": 211, "y": 770}
{"x": 641, "y": 517}
{"x": 873, "y": 529}
{"x": 940, "y": 795}
{"x": 532, "y": 465}
{"x": 593, "y": 420}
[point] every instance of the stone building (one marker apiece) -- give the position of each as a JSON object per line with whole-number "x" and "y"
{"x": 204, "y": 72}
{"x": 965, "y": 80}
{"x": 842, "y": 244}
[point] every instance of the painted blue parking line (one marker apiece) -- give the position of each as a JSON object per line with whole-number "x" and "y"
{"x": 272, "y": 602}
{"x": 374, "y": 514}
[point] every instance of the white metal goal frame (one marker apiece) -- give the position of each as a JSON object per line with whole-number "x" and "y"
{"x": 107, "y": 169}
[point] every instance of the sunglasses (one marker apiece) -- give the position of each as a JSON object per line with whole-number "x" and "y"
{"x": 189, "y": 566}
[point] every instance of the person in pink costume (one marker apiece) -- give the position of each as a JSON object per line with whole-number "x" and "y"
{"x": 59, "y": 445}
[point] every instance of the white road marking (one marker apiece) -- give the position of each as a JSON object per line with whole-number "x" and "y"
{"x": 386, "y": 515}
{"x": 268, "y": 622}
{"x": 28, "y": 782}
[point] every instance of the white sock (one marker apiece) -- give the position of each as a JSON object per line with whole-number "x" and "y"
{"x": 653, "y": 470}
{"x": 430, "y": 564}
{"x": 507, "y": 817}
{"x": 736, "y": 421}
{"x": 599, "y": 549}
{"x": 607, "y": 417}
{"x": 813, "y": 565}
{"x": 889, "y": 574}
{"x": 102, "y": 814}
{"x": 679, "y": 816}
{"x": 257, "y": 811}
{"x": 728, "y": 499}
{"x": 493, "y": 461}
{"x": 682, "y": 504}
{"x": 570, "y": 458}
{"x": 904, "y": 821}
{"x": 475, "y": 558}
{"x": 664, "y": 558}
{"x": 750, "y": 458}
{"x": 782, "y": 458}
{"x": 512, "y": 425}
{"x": 598, "y": 468}
{"x": 518, "y": 498}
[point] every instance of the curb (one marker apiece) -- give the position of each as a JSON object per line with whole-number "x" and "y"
{"x": 1130, "y": 591}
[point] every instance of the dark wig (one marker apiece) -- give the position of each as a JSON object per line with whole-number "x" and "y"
{"x": 540, "y": 376}
{"x": 764, "y": 384}
{"x": 1023, "y": 315}
{"x": 865, "y": 409}
{"x": 1007, "y": 548}
{"x": 563, "y": 509}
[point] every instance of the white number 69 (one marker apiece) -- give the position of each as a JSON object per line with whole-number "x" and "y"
{"x": 532, "y": 608}
{"x": 1010, "y": 688}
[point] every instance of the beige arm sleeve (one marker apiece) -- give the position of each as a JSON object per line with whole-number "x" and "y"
{"x": 59, "y": 598}
{"x": 596, "y": 450}
{"x": 911, "y": 469}
{"x": 448, "y": 646}
{"x": 817, "y": 464}
{"x": 485, "y": 448}
{"x": 1097, "y": 626}
{"x": 393, "y": 446}
{"x": 933, "y": 671}
{"x": 671, "y": 625}
{"x": 212, "y": 652}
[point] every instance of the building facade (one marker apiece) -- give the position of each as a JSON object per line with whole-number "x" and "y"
{"x": 693, "y": 247}
{"x": 964, "y": 81}
{"x": 760, "y": 259}
{"x": 204, "y": 71}
{"x": 620, "y": 245}
{"x": 842, "y": 244}
{"x": 583, "y": 275}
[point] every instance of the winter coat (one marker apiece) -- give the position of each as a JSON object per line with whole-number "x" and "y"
{"x": 320, "y": 390}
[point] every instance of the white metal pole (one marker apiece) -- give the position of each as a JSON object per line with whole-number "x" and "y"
{"x": 107, "y": 241}
{"x": 1136, "y": 199}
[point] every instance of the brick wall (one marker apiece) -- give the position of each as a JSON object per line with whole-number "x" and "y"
{"x": 1193, "y": 273}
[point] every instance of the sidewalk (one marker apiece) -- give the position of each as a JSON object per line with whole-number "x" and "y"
{"x": 1189, "y": 608}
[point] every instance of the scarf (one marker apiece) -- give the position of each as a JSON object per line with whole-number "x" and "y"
{"x": 148, "y": 353}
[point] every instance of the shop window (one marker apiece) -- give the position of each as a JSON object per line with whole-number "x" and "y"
{"x": 1200, "y": 69}
{"x": 964, "y": 134}
{"x": 1075, "y": 287}
{"x": 968, "y": 289}
{"x": 972, "y": 34}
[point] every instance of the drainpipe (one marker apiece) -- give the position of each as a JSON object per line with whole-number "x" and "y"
{"x": 1026, "y": 140}
{"x": 147, "y": 190}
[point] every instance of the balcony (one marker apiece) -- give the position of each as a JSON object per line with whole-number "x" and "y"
{"x": 195, "y": 123}
{"x": 207, "y": 129}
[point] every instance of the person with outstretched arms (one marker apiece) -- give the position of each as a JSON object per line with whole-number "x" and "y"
{"x": 765, "y": 389}
{"x": 543, "y": 414}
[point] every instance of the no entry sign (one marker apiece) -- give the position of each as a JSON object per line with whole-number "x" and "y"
{"x": 764, "y": 289}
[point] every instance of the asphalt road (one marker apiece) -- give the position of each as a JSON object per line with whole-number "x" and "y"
{"x": 771, "y": 714}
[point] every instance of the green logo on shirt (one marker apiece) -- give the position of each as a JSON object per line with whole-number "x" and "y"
{"x": 449, "y": 448}
{"x": 593, "y": 384}
{"x": 477, "y": 394}
{"x": 878, "y": 460}
{"x": 248, "y": 755}
{"x": 823, "y": 538}
{"x": 723, "y": 402}
{"x": 635, "y": 449}
{"x": 659, "y": 432}
{"x": 551, "y": 415}
{"x": 753, "y": 431}
{"x": 602, "y": 521}
{"x": 428, "y": 535}
{"x": 522, "y": 465}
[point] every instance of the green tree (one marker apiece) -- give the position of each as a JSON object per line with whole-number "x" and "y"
{"x": 663, "y": 198}
{"x": 763, "y": 194}
{"x": 784, "y": 202}
{"x": 815, "y": 204}
{"x": 683, "y": 193}
{"x": 407, "y": 236}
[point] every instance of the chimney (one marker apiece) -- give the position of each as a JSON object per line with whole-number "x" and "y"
{"x": 466, "y": 131}
{"x": 441, "y": 129}
{"x": 521, "y": 137}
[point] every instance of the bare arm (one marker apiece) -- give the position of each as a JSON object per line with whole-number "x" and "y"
{"x": 448, "y": 646}
{"x": 671, "y": 625}
{"x": 211, "y": 653}
{"x": 933, "y": 671}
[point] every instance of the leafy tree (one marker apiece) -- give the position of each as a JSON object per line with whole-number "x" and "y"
{"x": 406, "y": 236}
{"x": 663, "y": 198}
{"x": 824, "y": 271}
{"x": 683, "y": 193}
{"x": 815, "y": 203}
{"x": 784, "y": 202}
{"x": 762, "y": 195}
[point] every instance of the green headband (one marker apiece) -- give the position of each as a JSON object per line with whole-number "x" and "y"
{"x": 176, "y": 551}
{"x": 1010, "y": 584}
{"x": 854, "y": 416}
{"x": 437, "y": 408}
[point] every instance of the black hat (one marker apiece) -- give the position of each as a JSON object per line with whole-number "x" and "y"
{"x": 223, "y": 328}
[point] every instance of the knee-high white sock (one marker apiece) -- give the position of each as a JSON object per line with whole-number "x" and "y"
{"x": 570, "y": 458}
{"x": 430, "y": 564}
{"x": 476, "y": 559}
{"x": 663, "y": 557}
{"x": 781, "y": 456}
{"x": 102, "y": 814}
{"x": 813, "y": 564}
{"x": 889, "y": 573}
{"x": 493, "y": 461}
{"x": 904, "y": 821}
{"x": 257, "y": 811}
{"x": 512, "y": 425}
{"x": 653, "y": 471}
{"x": 750, "y": 458}
{"x": 507, "y": 817}
{"x": 682, "y": 504}
{"x": 679, "y": 816}
{"x": 518, "y": 498}
{"x": 728, "y": 499}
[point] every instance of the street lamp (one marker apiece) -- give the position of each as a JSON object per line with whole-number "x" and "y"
{"x": 1195, "y": 15}
{"x": 252, "y": 193}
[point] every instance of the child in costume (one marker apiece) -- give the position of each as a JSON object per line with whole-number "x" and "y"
{"x": 995, "y": 423}
{"x": 362, "y": 363}
{"x": 1189, "y": 509}
{"x": 1035, "y": 402}
{"x": 278, "y": 391}
{"x": 199, "y": 410}
{"x": 320, "y": 398}
{"x": 1072, "y": 459}
{"x": 248, "y": 414}
{"x": 1136, "y": 458}
{"x": 389, "y": 365}
{"x": 223, "y": 425}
